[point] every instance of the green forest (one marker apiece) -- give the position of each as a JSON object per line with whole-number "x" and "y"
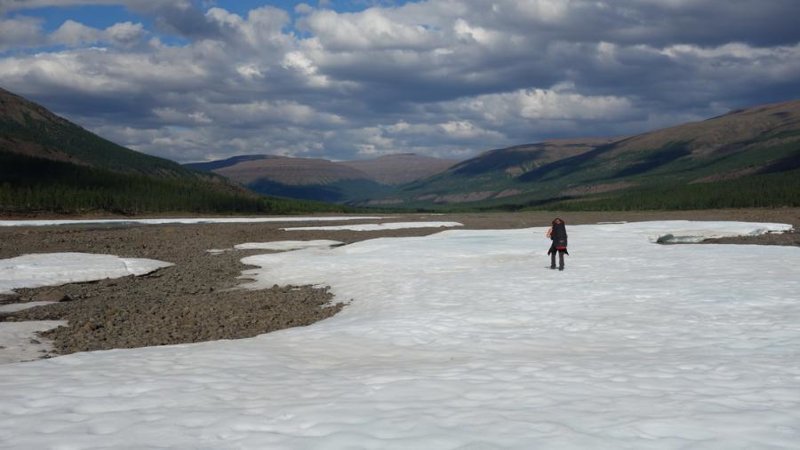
{"x": 34, "y": 185}
{"x": 758, "y": 191}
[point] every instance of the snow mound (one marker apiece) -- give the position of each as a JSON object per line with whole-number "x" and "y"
{"x": 685, "y": 232}
{"x": 53, "y": 269}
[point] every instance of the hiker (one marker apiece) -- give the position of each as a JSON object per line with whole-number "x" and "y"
{"x": 558, "y": 234}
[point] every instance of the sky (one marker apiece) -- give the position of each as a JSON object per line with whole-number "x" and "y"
{"x": 461, "y": 340}
{"x": 199, "y": 80}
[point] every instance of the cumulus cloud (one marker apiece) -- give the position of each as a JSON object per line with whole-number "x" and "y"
{"x": 20, "y": 32}
{"x": 372, "y": 29}
{"x": 73, "y": 34}
{"x": 260, "y": 30}
{"x": 183, "y": 17}
{"x": 13, "y": 5}
{"x": 447, "y": 77}
{"x": 125, "y": 33}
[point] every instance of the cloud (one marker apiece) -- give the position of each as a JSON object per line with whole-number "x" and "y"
{"x": 20, "y": 32}
{"x": 182, "y": 17}
{"x": 15, "y": 5}
{"x": 125, "y": 33}
{"x": 446, "y": 77}
{"x": 261, "y": 29}
{"x": 372, "y": 29}
{"x": 74, "y": 34}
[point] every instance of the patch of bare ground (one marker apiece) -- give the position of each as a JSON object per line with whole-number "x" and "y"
{"x": 458, "y": 198}
{"x": 200, "y": 298}
{"x": 728, "y": 176}
{"x": 599, "y": 188}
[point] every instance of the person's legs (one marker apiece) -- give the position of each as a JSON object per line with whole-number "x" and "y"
{"x": 553, "y": 260}
{"x": 560, "y": 260}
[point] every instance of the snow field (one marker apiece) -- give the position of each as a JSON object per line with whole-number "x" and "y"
{"x": 378, "y": 226}
{"x": 464, "y": 340}
{"x": 287, "y": 245}
{"x": 18, "y": 341}
{"x": 53, "y": 269}
{"x": 193, "y": 220}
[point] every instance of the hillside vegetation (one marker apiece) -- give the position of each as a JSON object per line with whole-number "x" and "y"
{"x": 50, "y": 165}
{"x": 746, "y": 158}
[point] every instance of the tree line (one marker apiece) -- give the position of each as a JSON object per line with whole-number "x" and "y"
{"x": 31, "y": 185}
{"x": 756, "y": 191}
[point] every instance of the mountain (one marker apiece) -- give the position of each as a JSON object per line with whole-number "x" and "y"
{"x": 48, "y": 164}
{"x": 401, "y": 168}
{"x": 291, "y": 171}
{"x": 748, "y": 157}
{"x": 324, "y": 180}
{"x": 214, "y": 165}
{"x": 30, "y": 130}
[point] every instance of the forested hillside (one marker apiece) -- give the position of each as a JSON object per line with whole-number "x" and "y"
{"x": 50, "y": 165}
{"x": 745, "y": 158}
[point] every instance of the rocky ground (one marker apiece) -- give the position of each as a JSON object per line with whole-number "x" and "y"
{"x": 199, "y": 298}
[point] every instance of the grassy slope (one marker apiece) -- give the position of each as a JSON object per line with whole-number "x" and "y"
{"x": 750, "y": 158}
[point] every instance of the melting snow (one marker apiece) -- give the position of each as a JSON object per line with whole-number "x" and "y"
{"x": 379, "y": 226}
{"x": 17, "y": 340}
{"x": 33, "y": 223}
{"x": 464, "y": 340}
{"x": 287, "y": 245}
{"x": 14, "y": 307}
{"x": 52, "y": 269}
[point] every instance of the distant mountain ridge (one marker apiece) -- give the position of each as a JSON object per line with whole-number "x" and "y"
{"x": 749, "y": 157}
{"x": 222, "y": 163}
{"x": 325, "y": 180}
{"x": 746, "y": 158}
{"x": 400, "y": 168}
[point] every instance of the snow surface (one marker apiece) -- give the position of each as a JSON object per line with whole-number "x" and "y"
{"x": 19, "y": 342}
{"x": 36, "y": 223}
{"x": 53, "y": 269}
{"x": 279, "y": 246}
{"x": 14, "y": 307}
{"x": 287, "y": 245}
{"x": 463, "y": 340}
{"x": 680, "y": 235}
{"x": 379, "y": 226}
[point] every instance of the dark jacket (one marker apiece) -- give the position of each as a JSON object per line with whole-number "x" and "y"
{"x": 559, "y": 237}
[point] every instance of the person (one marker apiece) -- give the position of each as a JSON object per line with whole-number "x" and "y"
{"x": 558, "y": 234}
